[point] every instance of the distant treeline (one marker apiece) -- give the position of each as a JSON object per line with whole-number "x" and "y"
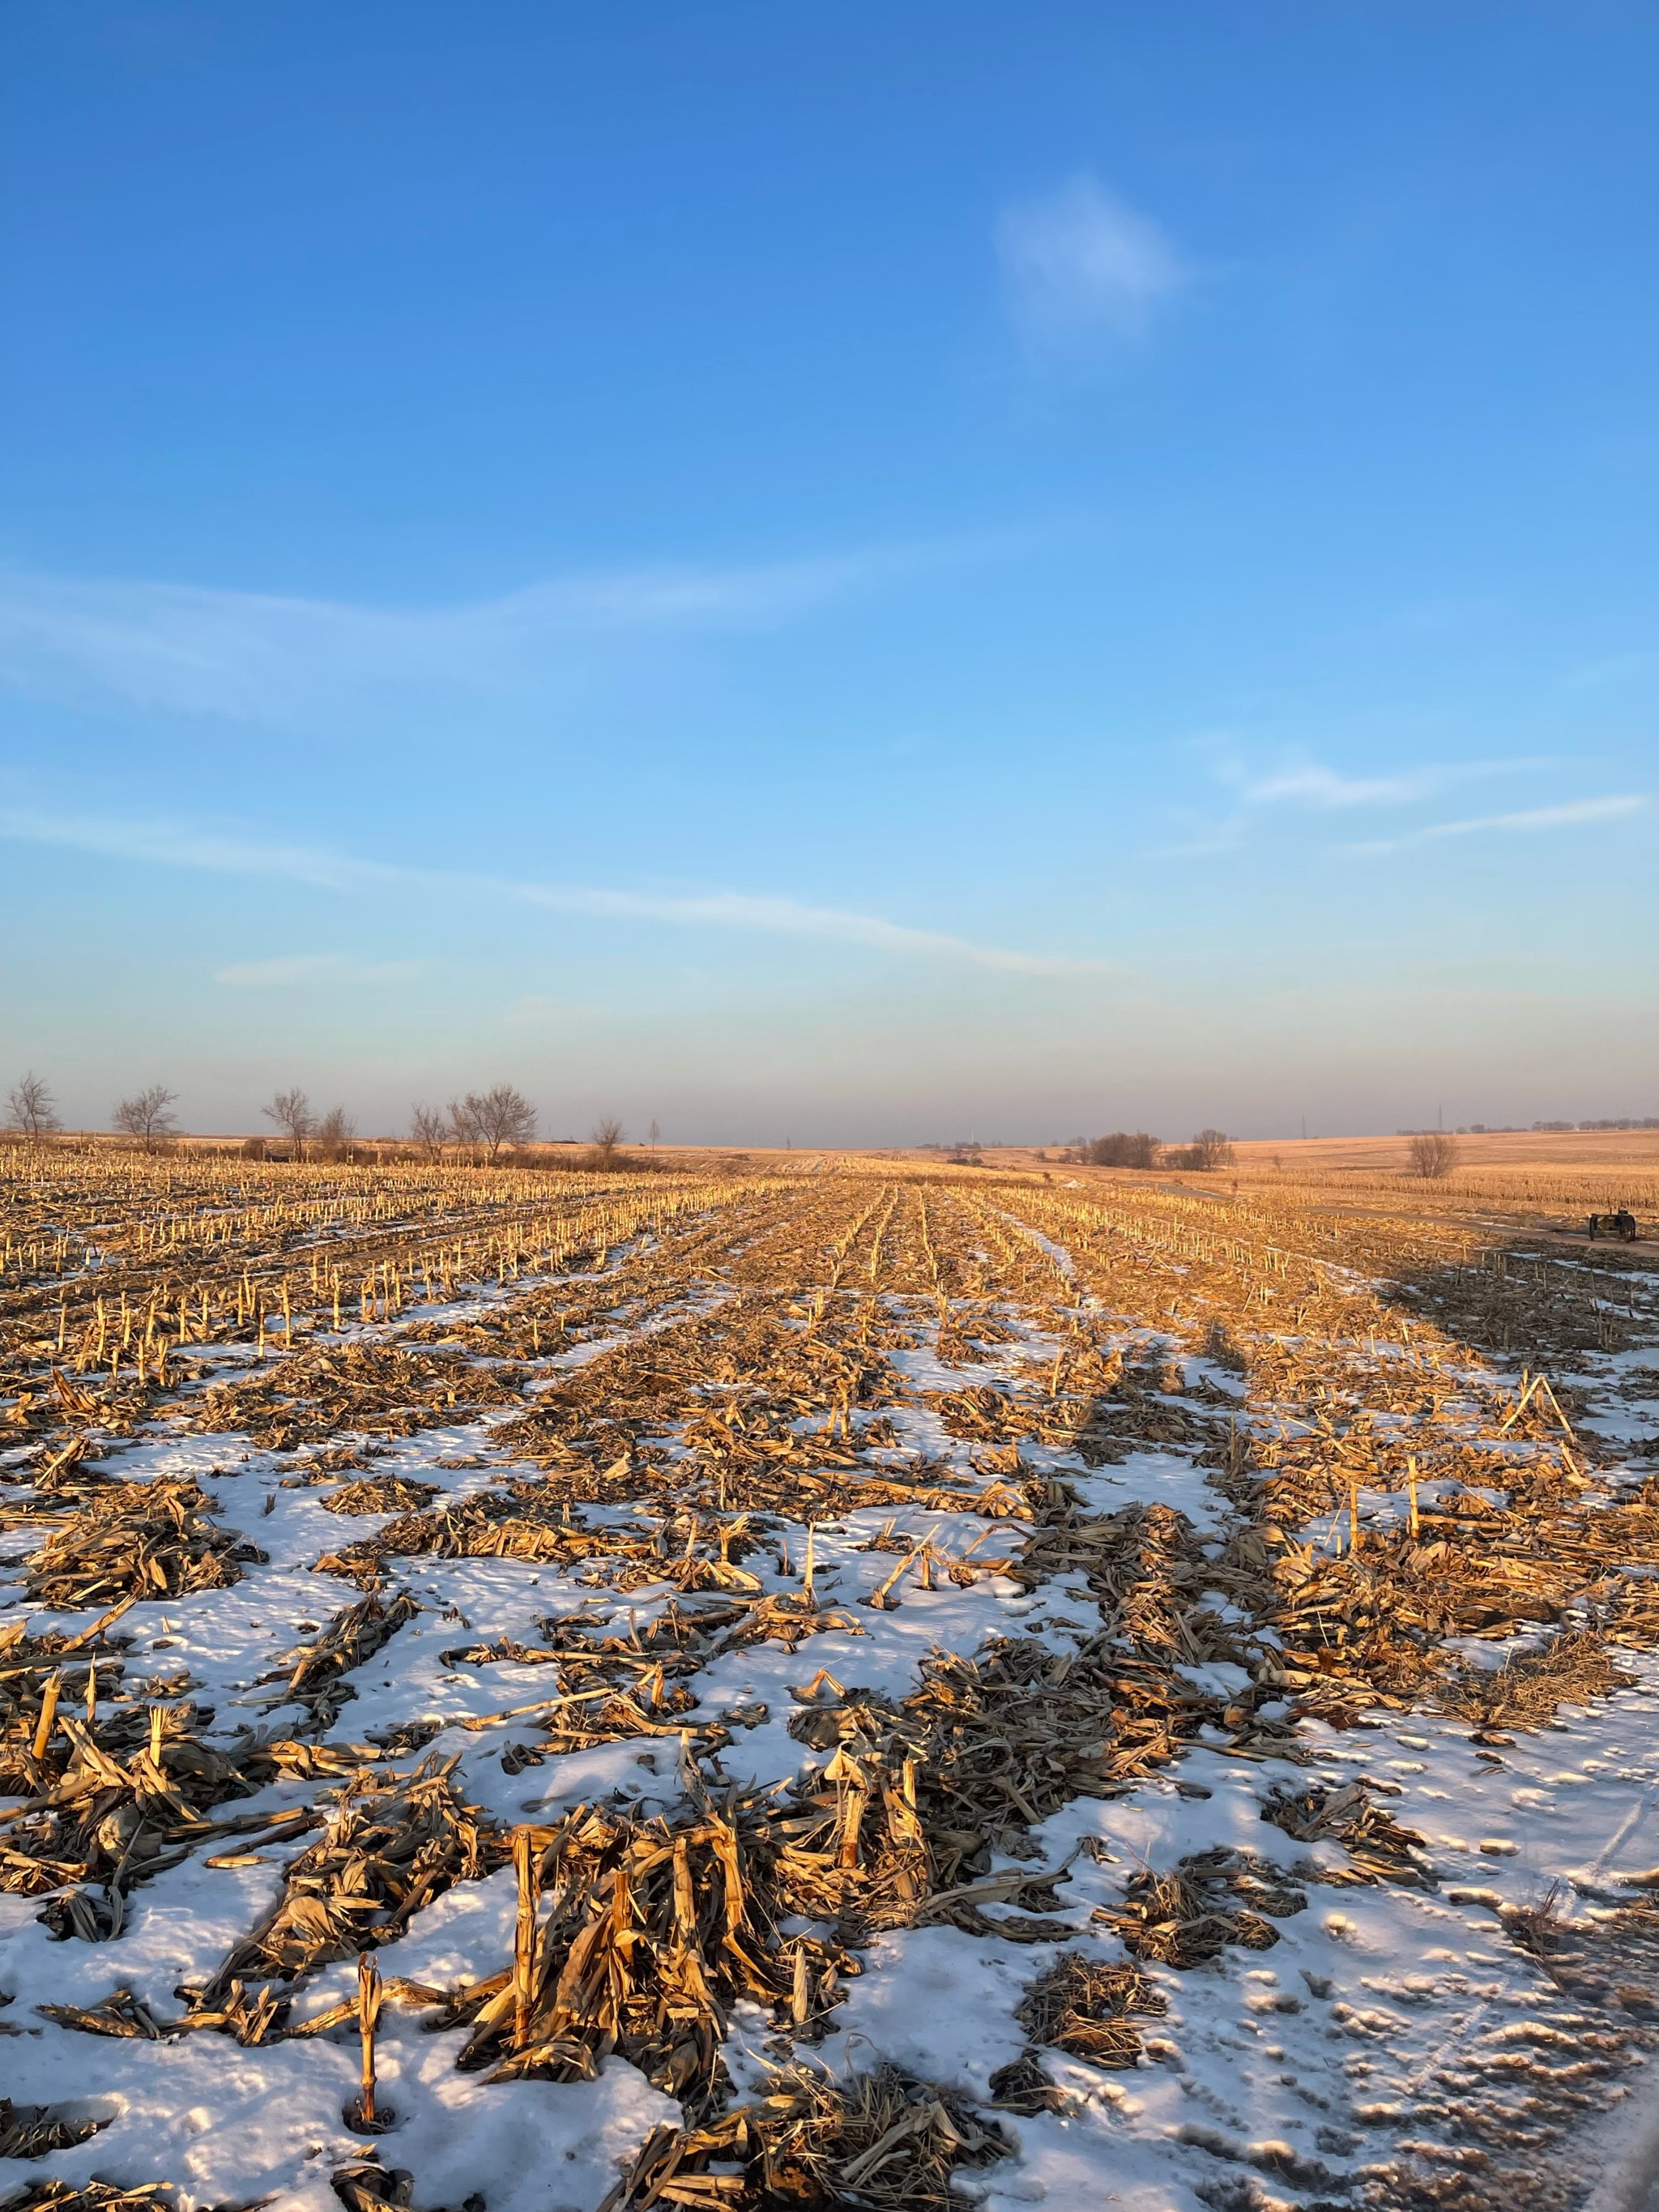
{"x": 1543, "y": 1128}
{"x": 1123, "y": 1148}
{"x": 1628, "y": 1121}
{"x": 486, "y": 1128}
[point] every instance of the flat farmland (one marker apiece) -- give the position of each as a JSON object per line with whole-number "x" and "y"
{"x": 848, "y": 1683}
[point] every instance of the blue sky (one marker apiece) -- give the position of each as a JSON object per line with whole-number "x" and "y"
{"x": 865, "y": 577}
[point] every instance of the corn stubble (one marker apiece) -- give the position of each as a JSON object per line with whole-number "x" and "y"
{"x": 754, "y": 1387}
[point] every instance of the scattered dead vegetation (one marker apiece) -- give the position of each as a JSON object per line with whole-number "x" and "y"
{"x": 101, "y": 1824}
{"x": 95, "y": 2196}
{"x": 1209, "y": 1899}
{"x": 138, "y": 1539}
{"x": 519, "y": 1523}
{"x": 317, "y": 1670}
{"x": 879, "y": 2138}
{"x": 373, "y": 1389}
{"x": 38, "y": 1674}
{"x": 381, "y": 1493}
{"x": 1379, "y": 1848}
{"x": 393, "y": 1844}
{"x": 34, "y": 2130}
{"x": 1088, "y": 2007}
{"x": 1525, "y": 1691}
{"x": 363, "y": 2184}
{"x": 652, "y": 1931}
{"x": 1098, "y": 1403}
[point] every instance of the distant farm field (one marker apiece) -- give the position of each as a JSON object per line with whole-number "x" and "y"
{"x": 827, "y": 1680}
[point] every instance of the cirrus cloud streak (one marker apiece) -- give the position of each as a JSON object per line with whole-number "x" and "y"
{"x": 288, "y": 661}
{"x": 1572, "y": 814}
{"x": 175, "y": 845}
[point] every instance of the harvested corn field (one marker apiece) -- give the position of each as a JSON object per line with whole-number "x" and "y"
{"x": 863, "y": 1685}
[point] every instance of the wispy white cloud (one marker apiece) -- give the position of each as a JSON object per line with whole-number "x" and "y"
{"x": 786, "y": 917}
{"x": 1322, "y": 790}
{"x": 263, "y": 657}
{"x": 169, "y": 844}
{"x": 1080, "y": 265}
{"x": 1571, "y": 815}
{"x": 288, "y": 970}
{"x": 179, "y": 845}
{"x": 1312, "y": 786}
{"x": 1301, "y": 785}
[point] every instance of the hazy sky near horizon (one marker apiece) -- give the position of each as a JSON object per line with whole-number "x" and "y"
{"x": 883, "y": 574}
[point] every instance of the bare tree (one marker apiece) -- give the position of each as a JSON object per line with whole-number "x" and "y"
{"x": 148, "y": 1116}
{"x": 430, "y": 1129}
{"x": 291, "y": 1111}
{"x": 655, "y": 1133}
{"x": 607, "y": 1137}
{"x": 334, "y": 1134}
{"x": 1432, "y": 1154}
{"x": 31, "y": 1107}
{"x": 501, "y": 1116}
{"x": 1214, "y": 1148}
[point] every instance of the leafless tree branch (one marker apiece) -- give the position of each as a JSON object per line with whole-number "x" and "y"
{"x": 291, "y": 1111}
{"x": 148, "y": 1115}
{"x": 31, "y": 1107}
